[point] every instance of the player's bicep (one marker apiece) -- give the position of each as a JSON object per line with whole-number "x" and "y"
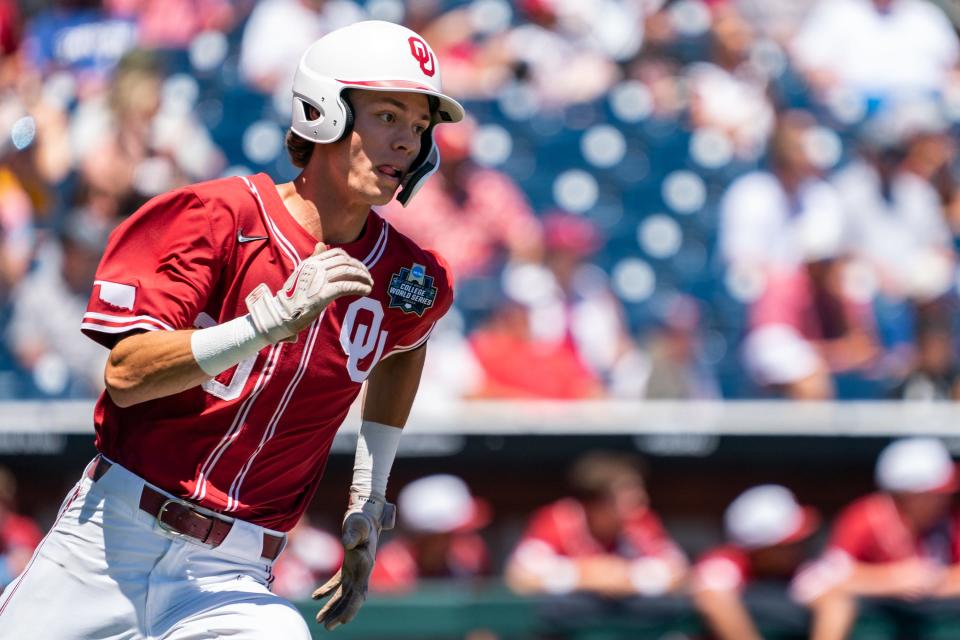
{"x": 392, "y": 387}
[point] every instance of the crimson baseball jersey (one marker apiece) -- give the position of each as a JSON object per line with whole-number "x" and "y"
{"x": 563, "y": 527}
{"x": 872, "y": 530}
{"x": 252, "y": 442}
{"x": 397, "y": 568}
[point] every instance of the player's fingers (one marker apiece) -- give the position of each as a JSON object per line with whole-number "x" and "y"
{"x": 346, "y": 267}
{"x": 324, "y": 590}
{"x": 349, "y": 272}
{"x": 350, "y": 288}
{"x": 331, "y": 612}
{"x": 345, "y": 609}
{"x": 326, "y": 612}
{"x": 319, "y": 248}
{"x": 346, "y": 613}
{"x": 333, "y": 258}
{"x": 352, "y": 608}
{"x": 329, "y": 254}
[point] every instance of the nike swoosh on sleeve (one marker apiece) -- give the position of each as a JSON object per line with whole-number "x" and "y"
{"x": 243, "y": 238}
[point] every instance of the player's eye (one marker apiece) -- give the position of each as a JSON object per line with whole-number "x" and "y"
{"x": 388, "y": 117}
{"x": 419, "y": 129}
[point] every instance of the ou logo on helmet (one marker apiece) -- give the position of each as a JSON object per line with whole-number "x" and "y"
{"x": 421, "y": 53}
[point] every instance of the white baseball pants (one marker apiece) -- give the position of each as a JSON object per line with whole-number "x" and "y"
{"x": 106, "y": 571}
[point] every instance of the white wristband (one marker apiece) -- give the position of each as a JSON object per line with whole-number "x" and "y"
{"x": 376, "y": 449}
{"x": 218, "y": 348}
{"x": 650, "y": 576}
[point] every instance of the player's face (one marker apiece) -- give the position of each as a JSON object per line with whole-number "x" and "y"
{"x": 387, "y": 133}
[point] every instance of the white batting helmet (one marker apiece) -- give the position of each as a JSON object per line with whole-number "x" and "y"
{"x": 372, "y": 55}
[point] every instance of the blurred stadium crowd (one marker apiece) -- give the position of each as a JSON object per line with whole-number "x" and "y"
{"x": 653, "y": 198}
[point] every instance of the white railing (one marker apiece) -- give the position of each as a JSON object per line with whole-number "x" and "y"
{"x": 594, "y": 418}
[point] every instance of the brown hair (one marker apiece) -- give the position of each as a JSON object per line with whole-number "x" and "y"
{"x": 597, "y": 474}
{"x": 299, "y": 150}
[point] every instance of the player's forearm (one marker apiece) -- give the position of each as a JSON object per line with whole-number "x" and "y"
{"x": 152, "y": 365}
{"x": 726, "y": 615}
{"x": 392, "y": 387}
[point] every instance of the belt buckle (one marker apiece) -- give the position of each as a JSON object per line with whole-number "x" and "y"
{"x": 166, "y": 527}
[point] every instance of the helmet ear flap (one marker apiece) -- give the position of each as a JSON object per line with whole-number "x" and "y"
{"x": 348, "y": 115}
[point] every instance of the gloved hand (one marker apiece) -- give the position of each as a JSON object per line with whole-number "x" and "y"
{"x": 320, "y": 279}
{"x": 360, "y": 533}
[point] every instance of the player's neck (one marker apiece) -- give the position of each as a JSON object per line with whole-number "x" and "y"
{"x": 324, "y": 215}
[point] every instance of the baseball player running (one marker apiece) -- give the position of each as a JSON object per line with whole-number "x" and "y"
{"x": 242, "y": 318}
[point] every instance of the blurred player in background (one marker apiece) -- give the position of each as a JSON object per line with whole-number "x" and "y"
{"x": 767, "y": 532}
{"x": 604, "y": 540}
{"x": 440, "y": 520}
{"x": 901, "y": 543}
{"x": 242, "y": 318}
{"x": 19, "y": 535}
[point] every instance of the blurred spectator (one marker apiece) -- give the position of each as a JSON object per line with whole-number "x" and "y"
{"x": 572, "y": 308}
{"x": 310, "y": 558}
{"x": 935, "y": 374}
{"x": 473, "y": 216}
{"x": 902, "y": 542}
{"x": 516, "y": 365}
{"x": 80, "y": 37}
{"x": 661, "y": 78}
{"x": 767, "y": 218}
{"x": 10, "y": 27}
{"x": 19, "y": 535}
{"x": 876, "y": 50}
{"x": 677, "y": 367}
{"x": 567, "y": 51}
{"x": 277, "y": 33}
{"x": 172, "y": 24}
{"x": 21, "y": 197}
{"x": 604, "y": 540}
{"x": 43, "y": 340}
{"x": 728, "y": 93}
{"x": 131, "y": 144}
{"x": 807, "y": 326}
{"x": 440, "y": 520}
{"x": 776, "y": 19}
{"x": 737, "y": 586}
{"x": 895, "y": 216}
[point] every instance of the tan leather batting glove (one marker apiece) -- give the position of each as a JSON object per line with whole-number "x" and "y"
{"x": 320, "y": 279}
{"x": 364, "y": 521}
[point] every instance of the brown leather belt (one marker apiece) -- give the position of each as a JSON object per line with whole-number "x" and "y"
{"x": 179, "y": 518}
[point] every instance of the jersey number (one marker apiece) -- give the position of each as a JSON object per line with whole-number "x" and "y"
{"x": 361, "y": 335}
{"x": 213, "y": 386}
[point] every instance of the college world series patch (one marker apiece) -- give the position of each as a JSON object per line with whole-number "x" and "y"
{"x": 412, "y": 290}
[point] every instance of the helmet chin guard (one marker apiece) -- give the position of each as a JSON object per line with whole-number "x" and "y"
{"x": 391, "y": 58}
{"x": 425, "y": 166}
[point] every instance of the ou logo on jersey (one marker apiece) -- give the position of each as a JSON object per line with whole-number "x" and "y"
{"x": 361, "y": 335}
{"x": 422, "y": 54}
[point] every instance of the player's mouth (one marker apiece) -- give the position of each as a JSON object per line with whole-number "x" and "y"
{"x": 390, "y": 171}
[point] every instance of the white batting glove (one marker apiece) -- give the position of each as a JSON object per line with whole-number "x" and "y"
{"x": 360, "y": 533}
{"x": 323, "y": 277}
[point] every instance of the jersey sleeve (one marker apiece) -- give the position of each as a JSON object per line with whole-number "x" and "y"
{"x": 416, "y": 329}
{"x": 652, "y": 539}
{"x": 157, "y": 271}
{"x": 852, "y": 533}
